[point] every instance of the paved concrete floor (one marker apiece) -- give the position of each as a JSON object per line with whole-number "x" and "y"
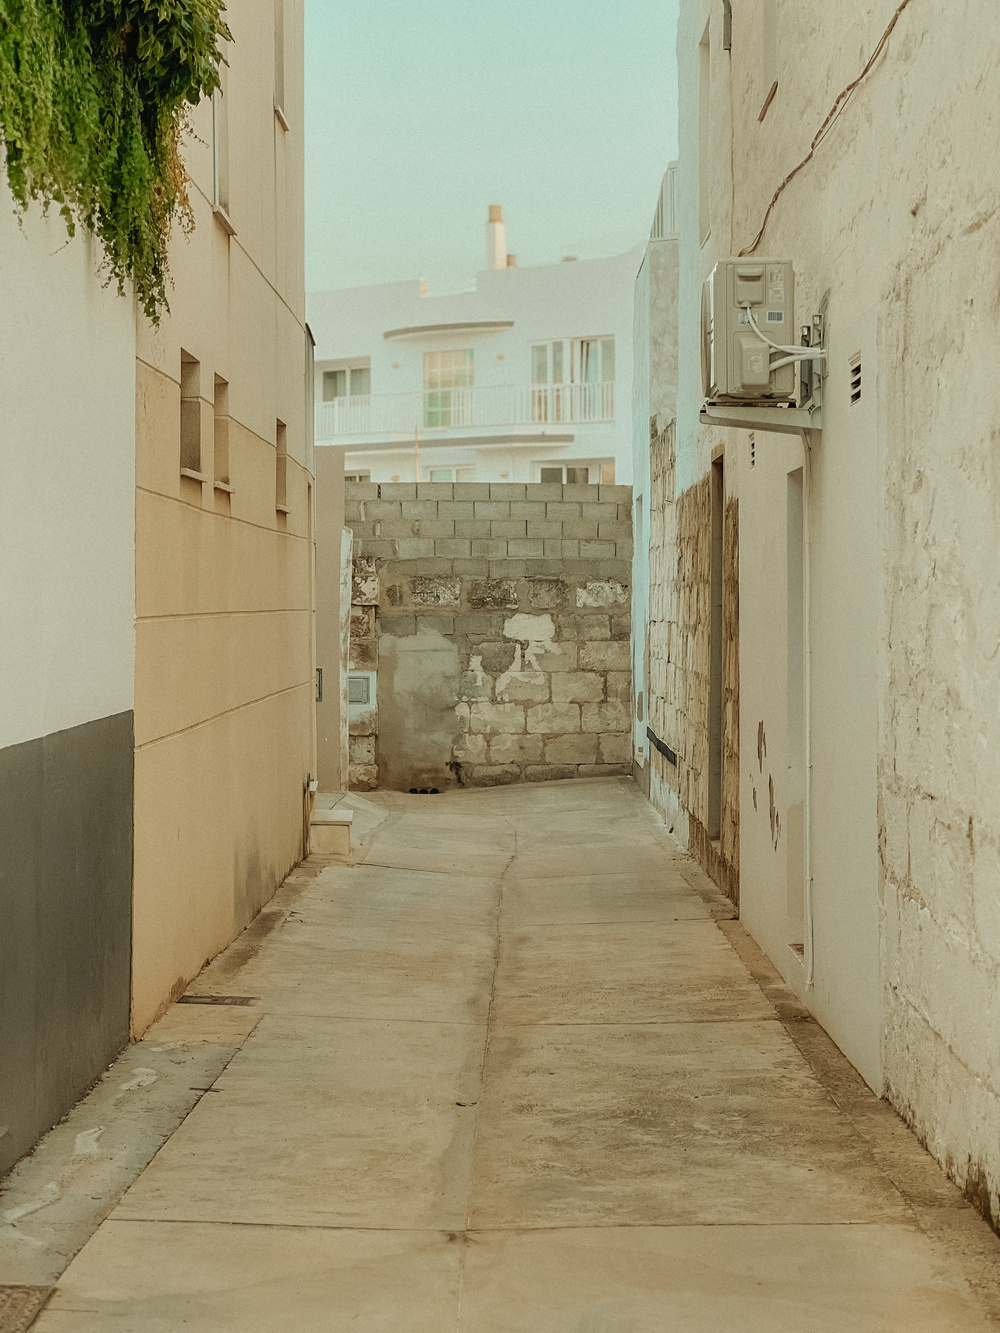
{"x": 516, "y": 1071}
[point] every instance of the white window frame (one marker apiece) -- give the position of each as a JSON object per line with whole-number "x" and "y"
{"x": 349, "y": 369}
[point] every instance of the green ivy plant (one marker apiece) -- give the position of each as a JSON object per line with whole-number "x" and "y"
{"x": 94, "y": 98}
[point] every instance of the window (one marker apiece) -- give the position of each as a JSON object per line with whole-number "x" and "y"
{"x": 597, "y": 371}
{"x": 573, "y": 476}
{"x": 281, "y": 469}
{"x": 220, "y": 143}
{"x": 548, "y": 400}
{"x": 448, "y": 388}
{"x": 346, "y": 382}
{"x": 572, "y": 380}
{"x": 547, "y": 362}
{"x": 220, "y": 472}
{"x": 357, "y": 476}
{"x": 597, "y": 361}
{"x": 447, "y": 474}
{"x": 190, "y": 417}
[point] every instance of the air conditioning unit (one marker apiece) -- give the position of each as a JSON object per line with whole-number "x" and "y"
{"x": 747, "y": 330}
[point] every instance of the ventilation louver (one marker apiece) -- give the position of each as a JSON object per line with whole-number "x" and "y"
{"x": 856, "y": 380}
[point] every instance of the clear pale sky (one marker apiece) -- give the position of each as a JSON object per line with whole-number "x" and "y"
{"x": 420, "y": 114}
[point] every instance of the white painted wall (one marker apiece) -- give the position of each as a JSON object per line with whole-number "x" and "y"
{"x": 67, "y": 482}
{"x": 843, "y": 517}
{"x": 893, "y": 227}
{"x": 582, "y": 299}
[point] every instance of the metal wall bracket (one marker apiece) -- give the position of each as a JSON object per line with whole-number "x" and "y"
{"x": 785, "y": 420}
{"x": 808, "y": 416}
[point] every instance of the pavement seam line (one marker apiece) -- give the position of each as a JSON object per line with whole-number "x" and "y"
{"x": 482, "y": 1069}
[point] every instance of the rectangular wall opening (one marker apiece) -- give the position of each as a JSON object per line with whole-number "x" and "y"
{"x": 795, "y": 705}
{"x": 715, "y": 703}
{"x": 221, "y": 469}
{"x": 220, "y": 143}
{"x": 190, "y": 413}
{"x": 281, "y": 470}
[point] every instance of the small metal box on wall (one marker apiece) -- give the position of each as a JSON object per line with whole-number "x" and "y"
{"x": 748, "y": 319}
{"x": 360, "y": 693}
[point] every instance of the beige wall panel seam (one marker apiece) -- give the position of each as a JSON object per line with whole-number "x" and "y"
{"x": 228, "y": 518}
{"x": 228, "y": 712}
{"x": 198, "y": 615}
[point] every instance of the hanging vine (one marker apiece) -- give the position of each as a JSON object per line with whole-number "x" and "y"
{"x": 94, "y": 96}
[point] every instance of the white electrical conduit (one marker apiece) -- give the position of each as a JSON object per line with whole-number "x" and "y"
{"x": 807, "y": 897}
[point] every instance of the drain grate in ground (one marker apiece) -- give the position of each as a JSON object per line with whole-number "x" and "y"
{"x": 215, "y": 999}
{"x": 19, "y": 1307}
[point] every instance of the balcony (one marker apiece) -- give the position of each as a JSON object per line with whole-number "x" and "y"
{"x": 402, "y": 414}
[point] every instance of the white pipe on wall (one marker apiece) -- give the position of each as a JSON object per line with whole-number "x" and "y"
{"x": 807, "y": 705}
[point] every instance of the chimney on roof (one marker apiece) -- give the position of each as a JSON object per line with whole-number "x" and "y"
{"x": 496, "y": 239}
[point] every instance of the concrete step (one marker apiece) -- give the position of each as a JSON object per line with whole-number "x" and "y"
{"x": 330, "y": 831}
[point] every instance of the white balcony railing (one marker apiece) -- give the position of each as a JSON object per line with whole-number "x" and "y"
{"x": 448, "y": 409}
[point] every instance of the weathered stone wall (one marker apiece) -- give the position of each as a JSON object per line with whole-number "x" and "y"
{"x": 678, "y": 660}
{"x": 497, "y": 618}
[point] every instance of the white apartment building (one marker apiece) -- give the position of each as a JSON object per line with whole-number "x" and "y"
{"x": 526, "y": 378}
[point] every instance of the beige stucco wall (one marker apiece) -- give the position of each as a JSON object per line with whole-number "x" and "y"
{"x": 224, "y": 651}
{"x": 893, "y": 229}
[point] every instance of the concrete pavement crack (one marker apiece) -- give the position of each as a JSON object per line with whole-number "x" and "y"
{"x": 482, "y": 1067}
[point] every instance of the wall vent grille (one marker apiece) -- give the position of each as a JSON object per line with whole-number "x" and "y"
{"x": 855, "y": 379}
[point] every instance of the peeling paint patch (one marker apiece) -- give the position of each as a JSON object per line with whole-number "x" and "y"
{"x": 775, "y": 817}
{"x": 364, "y": 583}
{"x": 605, "y": 593}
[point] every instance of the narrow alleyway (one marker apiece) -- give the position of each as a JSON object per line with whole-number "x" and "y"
{"x": 517, "y": 1071}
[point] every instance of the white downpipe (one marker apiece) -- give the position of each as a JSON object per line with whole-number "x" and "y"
{"x": 807, "y": 705}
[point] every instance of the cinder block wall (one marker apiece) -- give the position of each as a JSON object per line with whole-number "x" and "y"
{"x": 497, "y": 619}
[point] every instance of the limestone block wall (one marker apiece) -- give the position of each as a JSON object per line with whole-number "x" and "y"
{"x": 497, "y": 621}
{"x": 678, "y": 660}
